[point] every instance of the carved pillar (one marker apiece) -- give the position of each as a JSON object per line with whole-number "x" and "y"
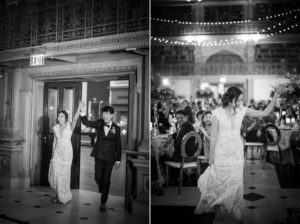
{"x": 199, "y": 12}
{"x": 195, "y": 86}
{"x": 17, "y": 75}
{"x": 141, "y": 203}
{"x": 250, "y": 52}
{"x": 10, "y": 162}
{"x": 25, "y": 129}
{"x": 145, "y": 119}
{"x": 11, "y": 144}
{"x": 141, "y": 163}
{"x": 199, "y": 59}
{"x": 249, "y": 10}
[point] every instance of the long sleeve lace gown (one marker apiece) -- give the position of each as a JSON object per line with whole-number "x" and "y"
{"x": 222, "y": 183}
{"x": 60, "y": 164}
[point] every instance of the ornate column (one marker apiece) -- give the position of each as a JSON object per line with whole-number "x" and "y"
{"x": 249, "y": 10}
{"x": 11, "y": 143}
{"x": 199, "y": 12}
{"x": 25, "y": 131}
{"x": 145, "y": 97}
{"x": 250, "y": 51}
{"x": 137, "y": 163}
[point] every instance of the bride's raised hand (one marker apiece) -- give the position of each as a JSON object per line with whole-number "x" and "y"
{"x": 81, "y": 104}
{"x": 280, "y": 89}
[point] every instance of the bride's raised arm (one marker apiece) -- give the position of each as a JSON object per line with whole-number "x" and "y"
{"x": 80, "y": 106}
{"x": 258, "y": 113}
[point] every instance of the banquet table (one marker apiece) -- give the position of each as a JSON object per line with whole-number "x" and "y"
{"x": 287, "y": 135}
{"x": 159, "y": 147}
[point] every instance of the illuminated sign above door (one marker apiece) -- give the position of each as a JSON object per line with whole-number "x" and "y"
{"x": 37, "y": 59}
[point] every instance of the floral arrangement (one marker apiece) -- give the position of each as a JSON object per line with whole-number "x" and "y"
{"x": 291, "y": 90}
{"x": 160, "y": 92}
{"x": 291, "y": 93}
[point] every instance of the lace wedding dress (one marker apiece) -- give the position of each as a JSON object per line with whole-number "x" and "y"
{"x": 60, "y": 164}
{"x": 222, "y": 183}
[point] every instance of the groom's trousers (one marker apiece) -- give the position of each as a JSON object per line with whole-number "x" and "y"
{"x": 103, "y": 171}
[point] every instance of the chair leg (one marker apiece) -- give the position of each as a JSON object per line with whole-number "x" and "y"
{"x": 198, "y": 168}
{"x": 180, "y": 180}
{"x": 245, "y": 151}
{"x": 167, "y": 175}
{"x": 262, "y": 154}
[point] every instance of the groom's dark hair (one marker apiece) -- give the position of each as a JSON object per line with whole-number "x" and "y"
{"x": 109, "y": 109}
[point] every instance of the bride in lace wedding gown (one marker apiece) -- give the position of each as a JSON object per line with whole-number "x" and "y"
{"x": 221, "y": 185}
{"x": 62, "y": 155}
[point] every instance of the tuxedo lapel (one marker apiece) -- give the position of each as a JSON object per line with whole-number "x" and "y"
{"x": 112, "y": 131}
{"x": 102, "y": 132}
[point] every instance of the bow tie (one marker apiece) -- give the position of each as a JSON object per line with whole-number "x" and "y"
{"x": 106, "y": 125}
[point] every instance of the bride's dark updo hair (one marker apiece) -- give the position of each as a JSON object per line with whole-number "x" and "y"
{"x": 65, "y": 113}
{"x": 232, "y": 94}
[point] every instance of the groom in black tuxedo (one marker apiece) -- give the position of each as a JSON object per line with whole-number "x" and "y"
{"x": 106, "y": 151}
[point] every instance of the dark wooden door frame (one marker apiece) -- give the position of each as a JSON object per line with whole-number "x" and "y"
{"x": 48, "y": 135}
{"x": 127, "y": 72}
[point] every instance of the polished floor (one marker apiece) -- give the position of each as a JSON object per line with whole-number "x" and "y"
{"x": 264, "y": 200}
{"x": 87, "y": 173}
{"x": 34, "y": 206}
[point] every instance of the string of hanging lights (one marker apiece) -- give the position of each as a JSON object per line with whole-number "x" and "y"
{"x": 280, "y": 28}
{"x": 274, "y": 16}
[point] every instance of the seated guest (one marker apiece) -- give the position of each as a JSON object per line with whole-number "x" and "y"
{"x": 184, "y": 127}
{"x": 206, "y": 131}
{"x": 272, "y": 118}
{"x": 163, "y": 119}
{"x": 190, "y": 114}
{"x": 252, "y": 128}
{"x": 198, "y": 123}
{"x": 290, "y": 113}
{"x": 184, "y": 104}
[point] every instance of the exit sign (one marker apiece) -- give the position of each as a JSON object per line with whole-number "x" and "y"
{"x": 37, "y": 59}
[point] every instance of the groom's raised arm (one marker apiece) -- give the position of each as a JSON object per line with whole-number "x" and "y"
{"x": 92, "y": 124}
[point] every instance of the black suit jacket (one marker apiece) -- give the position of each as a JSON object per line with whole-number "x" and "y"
{"x": 108, "y": 147}
{"x": 178, "y": 136}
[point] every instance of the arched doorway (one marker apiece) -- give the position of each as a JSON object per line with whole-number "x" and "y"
{"x": 225, "y": 62}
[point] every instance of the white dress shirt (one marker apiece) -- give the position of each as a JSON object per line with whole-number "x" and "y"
{"x": 106, "y": 129}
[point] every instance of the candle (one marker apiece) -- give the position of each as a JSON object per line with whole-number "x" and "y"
{"x": 293, "y": 120}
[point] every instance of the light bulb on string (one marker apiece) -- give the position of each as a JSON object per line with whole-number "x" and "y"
{"x": 228, "y": 22}
{"x": 232, "y": 40}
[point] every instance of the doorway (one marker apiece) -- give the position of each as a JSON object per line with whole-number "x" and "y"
{"x": 60, "y": 96}
{"x": 98, "y": 94}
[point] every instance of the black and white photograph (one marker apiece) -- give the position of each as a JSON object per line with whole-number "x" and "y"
{"x": 74, "y": 111}
{"x": 150, "y": 111}
{"x": 225, "y": 100}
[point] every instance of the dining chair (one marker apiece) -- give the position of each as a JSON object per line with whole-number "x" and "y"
{"x": 272, "y": 139}
{"x": 295, "y": 146}
{"x": 251, "y": 146}
{"x": 184, "y": 164}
